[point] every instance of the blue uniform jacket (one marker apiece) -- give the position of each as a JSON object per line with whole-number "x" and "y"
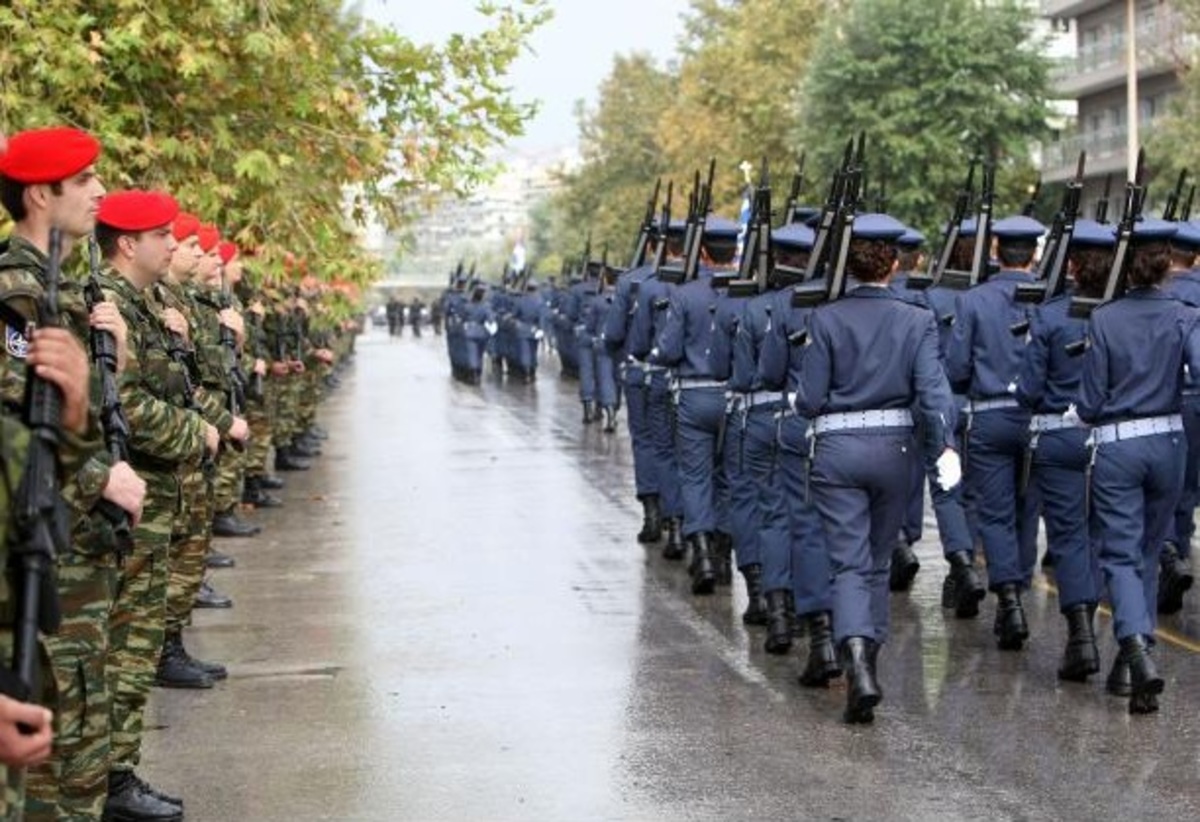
{"x": 871, "y": 350}
{"x": 624, "y": 302}
{"x": 984, "y": 356}
{"x": 781, "y": 356}
{"x": 1050, "y": 376}
{"x": 686, "y": 335}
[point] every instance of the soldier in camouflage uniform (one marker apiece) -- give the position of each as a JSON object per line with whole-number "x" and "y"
{"x": 47, "y": 179}
{"x": 259, "y": 394}
{"x": 287, "y": 370}
{"x": 167, "y": 440}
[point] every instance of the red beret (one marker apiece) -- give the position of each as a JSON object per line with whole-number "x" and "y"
{"x": 48, "y": 155}
{"x": 209, "y": 236}
{"x": 137, "y": 210}
{"x": 228, "y": 251}
{"x": 185, "y": 226}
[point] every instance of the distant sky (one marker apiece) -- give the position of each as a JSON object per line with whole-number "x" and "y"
{"x": 572, "y": 53}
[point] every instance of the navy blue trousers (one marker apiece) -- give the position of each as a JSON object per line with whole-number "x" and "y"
{"x": 860, "y": 484}
{"x": 637, "y": 391}
{"x": 587, "y": 368}
{"x": 701, "y": 414}
{"x": 808, "y": 555}
{"x": 660, "y": 413}
{"x": 995, "y": 459}
{"x": 1185, "y": 510}
{"x": 1060, "y": 477}
{"x": 606, "y": 376}
{"x": 1135, "y": 486}
{"x": 749, "y": 436}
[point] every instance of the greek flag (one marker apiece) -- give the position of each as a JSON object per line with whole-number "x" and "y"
{"x": 743, "y": 221}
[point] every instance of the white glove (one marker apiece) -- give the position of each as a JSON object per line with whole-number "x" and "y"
{"x": 538, "y": 334}
{"x": 949, "y": 469}
{"x": 491, "y": 327}
{"x": 1012, "y": 387}
{"x": 1071, "y": 416}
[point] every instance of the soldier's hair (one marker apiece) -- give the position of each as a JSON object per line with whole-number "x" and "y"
{"x": 1016, "y": 253}
{"x": 106, "y": 239}
{"x": 1182, "y": 256}
{"x": 1091, "y": 269}
{"x": 12, "y": 196}
{"x": 960, "y": 257}
{"x": 908, "y": 257}
{"x": 721, "y": 251}
{"x": 870, "y": 261}
{"x": 1151, "y": 261}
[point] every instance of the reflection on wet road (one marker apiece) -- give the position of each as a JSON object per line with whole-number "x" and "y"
{"x": 451, "y": 619}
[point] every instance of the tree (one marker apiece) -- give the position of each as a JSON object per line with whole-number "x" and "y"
{"x": 1171, "y": 144}
{"x": 288, "y": 124}
{"x": 932, "y": 84}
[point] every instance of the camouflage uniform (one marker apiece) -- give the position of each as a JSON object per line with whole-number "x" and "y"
{"x": 166, "y": 441}
{"x": 231, "y": 467}
{"x": 258, "y": 408}
{"x": 279, "y": 326}
{"x": 74, "y": 781}
{"x": 14, "y": 444}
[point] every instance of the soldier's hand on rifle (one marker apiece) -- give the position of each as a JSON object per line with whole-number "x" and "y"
{"x": 234, "y": 322}
{"x": 212, "y": 438}
{"x": 260, "y": 367}
{"x": 175, "y": 322}
{"x": 240, "y": 429}
{"x": 280, "y": 369}
{"x": 324, "y": 355}
{"x": 298, "y": 366}
{"x": 57, "y": 356}
{"x": 107, "y": 317}
{"x": 257, "y": 308}
{"x": 18, "y": 749}
{"x": 126, "y": 489}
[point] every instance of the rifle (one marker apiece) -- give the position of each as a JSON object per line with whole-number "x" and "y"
{"x": 1135, "y": 201}
{"x": 647, "y": 227}
{"x": 1031, "y": 203}
{"x": 826, "y": 273}
{"x": 1054, "y": 256}
{"x": 1101, "y": 214}
{"x": 103, "y": 348}
{"x": 1172, "y": 206}
{"x": 40, "y": 516}
{"x": 962, "y": 280}
{"x": 789, "y": 211}
{"x": 754, "y": 270}
{"x": 237, "y": 379}
{"x": 1185, "y": 213}
{"x": 941, "y": 262}
{"x": 693, "y": 238}
{"x": 254, "y": 389}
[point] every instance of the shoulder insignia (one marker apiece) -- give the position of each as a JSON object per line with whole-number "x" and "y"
{"x": 15, "y": 343}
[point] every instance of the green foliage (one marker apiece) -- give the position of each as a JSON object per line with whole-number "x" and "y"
{"x": 273, "y": 119}
{"x": 933, "y": 84}
{"x": 1171, "y": 145}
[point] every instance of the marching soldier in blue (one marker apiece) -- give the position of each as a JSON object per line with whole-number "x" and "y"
{"x": 1048, "y": 386}
{"x": 617, "y": 339}
{"x": 527, "y": 313}
{"x": 796, "y": 575}
{"x": 1139, "y": 348}
{"x": 683, "y": 344}
{"x": 648, "y": 314}
{"x": 871, "y": 361}
{"x": 1175, "y": 573}
{"x": 962, "y": 588}
{"x": 478, "y": 326}
{"x": 595, "y": 316}
{"x": 575, "y": 305}
{"x": 983, "y": 362}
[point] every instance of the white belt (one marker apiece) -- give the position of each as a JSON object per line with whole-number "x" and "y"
{"x": 1131, "y": 429}
{"x": 634, "y": 362}
{"x": 699, "y": 382}
{"x": 975, "y": 406}
{"x": 757, "y": 398}
{"x": 890, "y": 418}
{"x": 1040, "y": 423}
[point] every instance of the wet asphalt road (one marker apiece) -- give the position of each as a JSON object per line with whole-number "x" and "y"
{"x": 451, "y": 620}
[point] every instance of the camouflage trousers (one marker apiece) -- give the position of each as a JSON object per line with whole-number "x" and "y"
{"x": 287, "y": 405}
{"x": 190, "y": 541}
{"x": 73, "y": 783}
{"x": 259, "y": 448}
{"x": 138, "y": 618}
{"x": 227, "y": 485}
{"x": 12, "y": 798}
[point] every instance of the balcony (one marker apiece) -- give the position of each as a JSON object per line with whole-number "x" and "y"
{"x": 1067, "y": 9}
{"x": 1101, "y": 66}
{"x": 1105, "y": 154}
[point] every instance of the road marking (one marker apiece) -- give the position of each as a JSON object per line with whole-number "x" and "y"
{"x": 1165, "y": 634}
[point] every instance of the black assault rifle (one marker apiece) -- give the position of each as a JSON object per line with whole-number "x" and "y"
{"x": 826, "y": 273}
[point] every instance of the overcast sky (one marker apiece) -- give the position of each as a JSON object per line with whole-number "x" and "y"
{"x": 572, "y": 53}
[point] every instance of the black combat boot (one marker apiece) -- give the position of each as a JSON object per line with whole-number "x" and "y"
{"x": 651, "y": 520}
{"x": 1120, "y": 679}
{"x": 271, "y": 483}
{"x": 255, "y": 493}
{"x": 287, "y": 459}
{"x": 1081, "y": 659}
{"x": 1011, "y": 629}
{"x": 703, "y": 568}
{"x": 1175, "y": 578}
{"x": 208, "y": 597}
{"x": 131, "y": 800}
{"x": 228, "y": 524}
{"x": 215, "y": 670}
{"x": 302, "y": 447}
{"x": 217, "y": 559}
{"x": 822, "y": 656}
{"x": 756, "y": 610}
{"x": 674, "y": 547}
{"x": 162, "y": 796}
{"x": 779, "y": 622}
{"x": 904, "y": 567}
{"x": 610, "y": 419}
{"x": 723, "y": 557}
{"x": 589, "y": 412}
{"x": 963, "y": 590}
{"x": 317, "y": 432}
{"x": 862, "y": 689}
{"x": 175, "y": 669}
{"x": 1145, "y": 683}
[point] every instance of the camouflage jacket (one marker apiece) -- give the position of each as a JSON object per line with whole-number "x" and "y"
{"x": 163, "y": 432}
{"x": 211, "y": 405}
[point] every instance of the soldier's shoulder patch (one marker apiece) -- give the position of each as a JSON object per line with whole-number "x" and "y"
{"x": 15, "y": 343}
